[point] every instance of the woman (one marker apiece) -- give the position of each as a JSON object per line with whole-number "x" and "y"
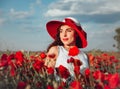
{"x": 66, "y": 34}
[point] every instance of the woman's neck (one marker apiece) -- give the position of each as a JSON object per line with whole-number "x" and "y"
{"x": 67, "y": 47}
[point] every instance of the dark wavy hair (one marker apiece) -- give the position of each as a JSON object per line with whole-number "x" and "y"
{"x": 57, "y": 41}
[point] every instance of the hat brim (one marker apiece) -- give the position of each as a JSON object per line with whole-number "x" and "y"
{"x": 52, "y": 27}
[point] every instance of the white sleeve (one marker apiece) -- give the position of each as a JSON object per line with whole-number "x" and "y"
{"x": 85, "y": 64}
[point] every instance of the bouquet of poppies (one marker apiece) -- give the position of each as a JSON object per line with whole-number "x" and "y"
{"x": 21, "y": 70}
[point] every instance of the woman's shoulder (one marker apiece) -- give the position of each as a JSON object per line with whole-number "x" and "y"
{"x": 53, "y": 50}
{"x": 84, "y": 54}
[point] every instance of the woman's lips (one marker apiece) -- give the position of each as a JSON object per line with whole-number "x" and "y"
{"x": 65, "y": 39}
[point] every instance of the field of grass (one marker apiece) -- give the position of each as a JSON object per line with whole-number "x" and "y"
{"x": 26, "y": 70}
{"x": 94, "y": 52}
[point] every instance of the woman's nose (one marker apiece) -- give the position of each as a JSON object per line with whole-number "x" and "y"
{"x": 64, "y": 34}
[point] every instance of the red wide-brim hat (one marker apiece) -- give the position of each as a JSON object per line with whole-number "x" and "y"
{"x": 52, "y": 27}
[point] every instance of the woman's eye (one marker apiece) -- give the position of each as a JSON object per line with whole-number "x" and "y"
{"x": 60, "y": 30}
{"x": 69, "y": 30}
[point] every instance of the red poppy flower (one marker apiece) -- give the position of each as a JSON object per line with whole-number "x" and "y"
{"x": 50, "y": 70}
{"x": 42, "y": 55}
{"x": 4, "y": 57}
{"x": 11, "y": 56}
{"x": 50, "y": 87}
{"x": 106, "y": 87}
{"x": 71, "y": 60}
{"x": 60, "y": 87}
{"x": 77, "y": 62}
{"x": 4, "y": 60}
{"x": 87, "y": 72}
{"x": 99, "y": 85}
{"x": 75, "y": 85}
{"x": 12, "y": 72}
{"x": 21, "y": 85}
{"x": 77, "y": 70}
{"x": 73, "y": 51}
{"x": 91, "y": 59}
{"x": 38, "y": 65}
{"x": 98, "y": 75}
{"x": 19, "y": 58}
{"x": 13, "y": 69}
{"x": 51, "y": 55}
{"x": 63, "y": 72}
{"x": 114, "y": 81}
{"x": 19, "y": 55}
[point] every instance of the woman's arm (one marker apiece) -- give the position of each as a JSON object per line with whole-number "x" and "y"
{"x": 51, "y": 57}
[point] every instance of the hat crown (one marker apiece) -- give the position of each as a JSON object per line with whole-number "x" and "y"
{"x": 73, "y": 19}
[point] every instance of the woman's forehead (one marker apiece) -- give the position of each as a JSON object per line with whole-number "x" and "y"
{"x": 64, "y": 26}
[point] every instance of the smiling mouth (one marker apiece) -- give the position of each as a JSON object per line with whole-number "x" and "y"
{"x": 65, "y": 39}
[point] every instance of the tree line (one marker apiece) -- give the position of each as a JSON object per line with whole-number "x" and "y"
{"x": 117, "y": 38}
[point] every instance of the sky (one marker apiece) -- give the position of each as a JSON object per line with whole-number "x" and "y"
{"x": 23, "y": 22}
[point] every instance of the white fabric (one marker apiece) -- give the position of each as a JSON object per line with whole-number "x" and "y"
{"x": 63, "y": 57}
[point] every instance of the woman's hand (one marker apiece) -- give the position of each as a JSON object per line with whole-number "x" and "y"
{"x": 50, "y": 60}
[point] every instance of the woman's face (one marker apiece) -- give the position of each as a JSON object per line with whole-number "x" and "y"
{"x": 67, "y": 35}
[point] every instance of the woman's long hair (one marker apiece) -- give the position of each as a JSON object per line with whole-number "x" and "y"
{"x": 57, "y": 41}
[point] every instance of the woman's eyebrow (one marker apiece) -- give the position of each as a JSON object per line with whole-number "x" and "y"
{"x": 60, "y": 29}
{"x": 70, "y": 28}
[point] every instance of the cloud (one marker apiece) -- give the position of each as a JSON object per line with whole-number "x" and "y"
{"x": 34, "y": 4}
{"x": 20, "y": 14}
{"x": 95, "y": 11}
{"x": 2, "y": 21}
{"x": 38, "y": 2}
{"x": 25, "y": 13}
{"x": 24, "y": 18}
{"x": 58, "y": 12}
{"x": 82, "y": 7}
{"x": 2, "y": 18}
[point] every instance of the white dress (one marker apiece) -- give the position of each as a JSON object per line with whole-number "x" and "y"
{"x": 63, "y": 57}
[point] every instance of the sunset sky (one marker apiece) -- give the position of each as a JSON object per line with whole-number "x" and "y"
{"x": 23, "y": 22}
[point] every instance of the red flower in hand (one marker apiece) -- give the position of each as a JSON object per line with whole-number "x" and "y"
{"x": 51, "y": 55}
{"x": 73, "y": 51}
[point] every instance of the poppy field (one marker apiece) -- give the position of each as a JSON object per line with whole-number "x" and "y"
{"x": 26, "y": 70}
